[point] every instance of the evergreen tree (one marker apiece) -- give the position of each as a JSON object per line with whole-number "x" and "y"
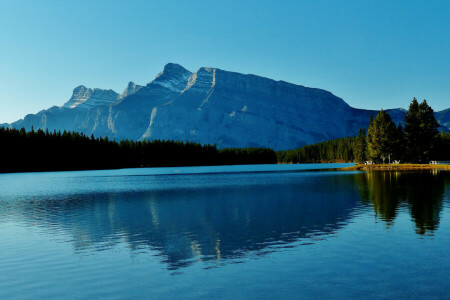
{"x": 369, "y": 136}
{"x": 412, "y": 131}
{"x": 75, "y": 151}
{"x": 360, "y": 146}
{"x": 399, "y": 143}
{"x": 381, "y": 137}
{"x": 420, "y": 131}
{"x": 429, "y": 130}
{"x": 337, "y": 150}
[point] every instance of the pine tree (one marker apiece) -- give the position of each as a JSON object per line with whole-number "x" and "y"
{"x": 412, "y": 130}
{"x": 429, "y": 130}
{"x": 381, "y": 137}
{"x": 360, "y": 146}
{"x": 369, "y": 136}
{"x": 399, "y": 143}
{"x": 420, "y": 131}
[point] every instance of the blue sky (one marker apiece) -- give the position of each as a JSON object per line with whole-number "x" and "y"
{"x": 373, "y": 54}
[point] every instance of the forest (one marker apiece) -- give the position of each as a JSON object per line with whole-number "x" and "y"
{"x": 347, "y": 150}
{"x": 337, "y": 150}
{"x": 417, "y": 140}
{"x": 39, "y": 150}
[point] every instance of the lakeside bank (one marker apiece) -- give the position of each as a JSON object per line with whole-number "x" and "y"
{"x": 396, "y": 167}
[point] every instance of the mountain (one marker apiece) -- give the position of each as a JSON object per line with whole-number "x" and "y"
{"x": 443, "y": 117}
{"x": 211, "y": 106}
{"x": 85, "y": 98}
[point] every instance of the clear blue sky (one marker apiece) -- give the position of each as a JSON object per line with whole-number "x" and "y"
{"x": 373, "y": 54}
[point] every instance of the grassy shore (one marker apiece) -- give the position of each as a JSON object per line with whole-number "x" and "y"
{"x": 396, "y": 167}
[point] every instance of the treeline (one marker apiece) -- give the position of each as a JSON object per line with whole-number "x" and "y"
{"x": 337, "y": 150}
{"x": 417, "y": 140}
{"x": 348, "y": 149}
{"x": 39, "y": 150}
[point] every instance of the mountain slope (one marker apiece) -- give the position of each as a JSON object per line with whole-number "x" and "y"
{"x": 443, "y": 117}
{"x": 211, "y": 106}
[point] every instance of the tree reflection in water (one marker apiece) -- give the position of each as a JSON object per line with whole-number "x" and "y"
{"x": 422, "y": 193}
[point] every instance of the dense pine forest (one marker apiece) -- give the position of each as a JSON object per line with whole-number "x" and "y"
{"x": 417, "y": 140}
{"x": 337, "y": 150}
{"x": 347, "y": 150}
{"x": 22, "y": 151}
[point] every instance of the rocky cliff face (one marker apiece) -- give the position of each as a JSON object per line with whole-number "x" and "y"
{"x": 131, "y": 89}
{"x": 85, "y": 98}
{"x": 229, "y": 109}
{"x": 211, "y": 106}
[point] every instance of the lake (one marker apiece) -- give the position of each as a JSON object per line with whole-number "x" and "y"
{"x": 232, "y": 232}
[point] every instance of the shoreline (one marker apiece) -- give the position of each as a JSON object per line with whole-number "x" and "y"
{"x": 397, "y": 167}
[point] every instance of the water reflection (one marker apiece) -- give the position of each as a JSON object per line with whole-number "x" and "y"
{"x": 210, "y": 224}
{"x": 422, "y": 193}
{"x": 253, "y": 214}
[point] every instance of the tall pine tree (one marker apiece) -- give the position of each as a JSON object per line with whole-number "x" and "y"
{"x": 421, "y": 130}
{"x": 360, "y": 146}
{"x": 381, "y": 137}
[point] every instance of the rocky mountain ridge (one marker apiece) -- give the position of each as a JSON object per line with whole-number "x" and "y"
{"x": 211, "y": 106}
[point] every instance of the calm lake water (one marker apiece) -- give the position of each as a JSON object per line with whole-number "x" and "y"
{"x": 236, "y": 232}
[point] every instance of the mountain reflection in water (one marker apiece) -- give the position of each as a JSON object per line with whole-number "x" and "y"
{"x": 216, "y": 223}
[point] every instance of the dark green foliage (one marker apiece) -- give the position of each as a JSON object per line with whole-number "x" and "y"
{"x": 387, "y": 140}
{"x": 412, "y": 131}
{"x": 360, "y": 146}
{"x": 418, "y": 142}
{"x": 420, "y": 131}
{"x": 345, "y": 149}
{"x": 22, "y": 151}
{"x": 244, "y": 156}
{"x": 442, "y": 149}
{"x": 382, "y": 137}
{"x": 329, "y": 151}
{"x": 399, "y": 144}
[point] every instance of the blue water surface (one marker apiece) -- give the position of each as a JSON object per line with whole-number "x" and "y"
{"x": 230, "y": 232}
